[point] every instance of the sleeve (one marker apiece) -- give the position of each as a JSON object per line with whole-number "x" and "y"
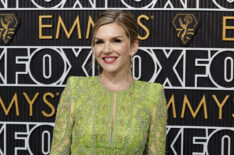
{"x": 61, "y": 143}
{"x": 157, "y": 132}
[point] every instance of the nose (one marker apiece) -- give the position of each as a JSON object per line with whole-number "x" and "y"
{"x": 107, "y": 48}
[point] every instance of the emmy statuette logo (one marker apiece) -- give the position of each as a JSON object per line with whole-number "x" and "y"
{"x": 8, "y": 25}
{"x": 185, "y": 26}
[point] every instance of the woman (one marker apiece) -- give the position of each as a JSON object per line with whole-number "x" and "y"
{"x": 111, "y": 113}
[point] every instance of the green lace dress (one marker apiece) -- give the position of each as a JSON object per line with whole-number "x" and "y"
{"x": 93, "y": 120}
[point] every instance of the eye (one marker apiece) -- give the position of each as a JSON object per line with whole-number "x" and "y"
{"x": 117, "y": 40}
{"x": 98, "y": 42}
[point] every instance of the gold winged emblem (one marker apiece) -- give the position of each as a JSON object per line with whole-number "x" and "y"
{"x": 185, "y": 26}
{"x": 8, "y": 24}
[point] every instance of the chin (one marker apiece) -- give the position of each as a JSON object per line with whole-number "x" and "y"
{"x": 109, "y": 70}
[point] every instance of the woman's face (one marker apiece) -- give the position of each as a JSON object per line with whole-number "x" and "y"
{"x": 112, "y": 48}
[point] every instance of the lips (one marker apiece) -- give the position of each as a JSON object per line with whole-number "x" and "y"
{"x": 109, "y": 59}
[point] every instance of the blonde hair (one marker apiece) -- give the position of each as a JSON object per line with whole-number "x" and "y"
{"x": 123, "y": 18}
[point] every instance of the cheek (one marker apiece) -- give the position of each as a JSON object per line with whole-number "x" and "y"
{"x": 123, "y": 50}
{"x": 99, "y": 48}
{"x": 96, "y": 52}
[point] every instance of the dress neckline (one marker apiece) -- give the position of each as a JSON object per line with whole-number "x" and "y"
{"x": 111, "y": 91}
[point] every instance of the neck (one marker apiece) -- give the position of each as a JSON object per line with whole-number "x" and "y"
{"x": 116, "y": 81}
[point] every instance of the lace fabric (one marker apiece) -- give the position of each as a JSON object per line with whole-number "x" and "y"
{"x": 84, "y": 120}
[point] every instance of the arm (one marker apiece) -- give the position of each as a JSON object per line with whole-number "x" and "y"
{"x": 157, "y": 131}
{"x": 61, "y": 143}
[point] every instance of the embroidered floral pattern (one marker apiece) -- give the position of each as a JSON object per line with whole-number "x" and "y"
{"x": 83, "y": 121}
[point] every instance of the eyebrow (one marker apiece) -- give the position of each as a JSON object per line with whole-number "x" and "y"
{"x": 113, "y": 37}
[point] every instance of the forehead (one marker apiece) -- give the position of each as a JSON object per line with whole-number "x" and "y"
{"x": 110, "y": 30}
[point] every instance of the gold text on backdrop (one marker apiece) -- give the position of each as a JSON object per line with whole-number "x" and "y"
{"x": 14, "y": 105}
{"x": 227, "y": 28}
{"x": 61, "y": 27}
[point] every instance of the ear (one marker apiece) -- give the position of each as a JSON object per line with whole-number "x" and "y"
{"x": 134, "y": 48}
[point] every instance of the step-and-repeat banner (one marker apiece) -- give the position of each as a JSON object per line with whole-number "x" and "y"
{"x": 187, "y": 45}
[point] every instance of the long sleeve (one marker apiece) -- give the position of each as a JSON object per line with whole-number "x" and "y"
{"x": 61, "y": 143}
{"x": 157, "y": 131}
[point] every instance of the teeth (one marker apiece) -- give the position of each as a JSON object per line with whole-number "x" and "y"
{"x": 109, "y": 59}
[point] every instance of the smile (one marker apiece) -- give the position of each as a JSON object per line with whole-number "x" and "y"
{"x": 109, "y": 59}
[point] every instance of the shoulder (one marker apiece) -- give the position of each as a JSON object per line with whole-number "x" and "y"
{"x": 155, "y": 87}
{"x": 153, "y": 90}
{"x": 158, "y": 90}
{"x": 74, "y": 80}
{"x": 81, "y": 83}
